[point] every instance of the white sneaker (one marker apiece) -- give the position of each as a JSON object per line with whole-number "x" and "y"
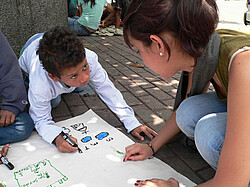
{"x": 118, "y": 32}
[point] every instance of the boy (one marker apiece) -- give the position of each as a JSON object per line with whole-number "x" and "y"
{"x": 57, "y": 63}
{"x": 15, "y": 125}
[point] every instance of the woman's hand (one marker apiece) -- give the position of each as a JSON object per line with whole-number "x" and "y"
{"x": 157, "y": 183}
{"x": 138, "y": 151}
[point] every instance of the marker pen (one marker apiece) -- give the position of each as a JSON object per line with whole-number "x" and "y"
{"x": 6, "y": 162}
{"x": 70, "y": 141}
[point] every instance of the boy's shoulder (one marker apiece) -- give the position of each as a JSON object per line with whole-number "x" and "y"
{"x": 89, "y": 53}
{"x": 40, "y": 84}
{"x": 91, "y": 57}
{"x": 42, "y": 89}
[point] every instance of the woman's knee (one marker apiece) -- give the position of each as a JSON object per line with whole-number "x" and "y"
{"x": 209, "y": 137}
{"x": 185, "y": 117}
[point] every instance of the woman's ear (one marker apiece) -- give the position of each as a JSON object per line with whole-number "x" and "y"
{"x": 157, "y": 45}
{"x": 53, "y": 77}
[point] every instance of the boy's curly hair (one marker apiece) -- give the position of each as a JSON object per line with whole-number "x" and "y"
{"x": 60, "y": 49}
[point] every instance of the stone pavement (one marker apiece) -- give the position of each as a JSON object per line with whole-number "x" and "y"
{"x": 150, "y": 96}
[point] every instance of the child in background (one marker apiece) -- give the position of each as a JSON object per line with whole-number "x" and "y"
{"x": 90, "y": 16}
{"x": 57, "y": 63}
{"x": 121, "y": 9}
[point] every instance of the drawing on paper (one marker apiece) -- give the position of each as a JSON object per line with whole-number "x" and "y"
{"x": 42, "y": 173}
{"x": 88, "y": 140}
{"x": 119, "y": 152}
{"x": 66, "y": 131}
{"x": 99, "y": 136}
{"x": 80, "y": 127}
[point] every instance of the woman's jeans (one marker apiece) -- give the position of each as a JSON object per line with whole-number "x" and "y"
{"x": 76, "y": 27}
{"x": 203, "y": 118}
{"x": 17, "y": 131}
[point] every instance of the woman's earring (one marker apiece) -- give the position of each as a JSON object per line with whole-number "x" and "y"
{"x": 161, "y": 54}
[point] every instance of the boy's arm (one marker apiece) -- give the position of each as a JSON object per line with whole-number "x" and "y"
{"x": 113, "y": 97}
{"x": 12, "y": 88}
{"x": 40, "y": 112}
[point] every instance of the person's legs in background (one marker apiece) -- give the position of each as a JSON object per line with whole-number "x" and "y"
{"x": 118, "y": 8}
{"x": 76, "y": 27}
{"x": 17, "y": 131}
{"x": 118, "y": 31}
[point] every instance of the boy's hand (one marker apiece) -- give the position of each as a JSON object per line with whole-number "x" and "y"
{"x": 4, "y": 151}
{"x": 6, "y": 118}
{"x": 146, "y": 130}
{"x": 64, "y": 146}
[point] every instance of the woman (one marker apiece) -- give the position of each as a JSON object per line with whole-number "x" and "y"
{"x": 89, "y": 21}
{"x": 179, "y": 35}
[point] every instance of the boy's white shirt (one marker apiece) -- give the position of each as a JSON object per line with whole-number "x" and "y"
{"x": 42, "y": 89}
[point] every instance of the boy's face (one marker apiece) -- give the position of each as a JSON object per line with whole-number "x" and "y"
{"x": 77, "y": 76}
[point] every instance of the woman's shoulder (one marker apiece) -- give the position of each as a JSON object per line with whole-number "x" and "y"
{"x": 232, "y": 41}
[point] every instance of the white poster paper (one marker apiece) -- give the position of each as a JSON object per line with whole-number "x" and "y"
{"x": 38, "y": 163}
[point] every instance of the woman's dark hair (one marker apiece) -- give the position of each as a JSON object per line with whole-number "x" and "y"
{"x": 92, "y": 2}
{"x": 191, "y": 21}
{"x": 60, "y": 49}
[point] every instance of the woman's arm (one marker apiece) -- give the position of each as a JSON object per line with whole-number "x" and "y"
{"x": 234, "y": 163}
{"x": 143, "y": 151}
{"x": 169, "y": 130}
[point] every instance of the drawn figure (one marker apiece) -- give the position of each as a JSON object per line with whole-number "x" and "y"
{"x": 39, "y": 174}
{"x": 86, "y": 148}
{"x": 66, "y": 131}
{"x": 109, "y": 139}
{"x": 99, "y": 136}
{"x": 86, "y": 139}
{"x": 80, "y": 127}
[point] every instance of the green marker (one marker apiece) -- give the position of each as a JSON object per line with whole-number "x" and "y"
{"x": 119, "y": 152}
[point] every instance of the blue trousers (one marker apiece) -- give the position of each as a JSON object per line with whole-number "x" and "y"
{"x": 203, "y": 118}
{"x": 76, "y": 27}
{"x": 17, "y": 131}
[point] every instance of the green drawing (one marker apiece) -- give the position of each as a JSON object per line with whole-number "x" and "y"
{"x": 2, "y": 183}
{"x": 119, "y": 152}
{"x": 41, "y": 173}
